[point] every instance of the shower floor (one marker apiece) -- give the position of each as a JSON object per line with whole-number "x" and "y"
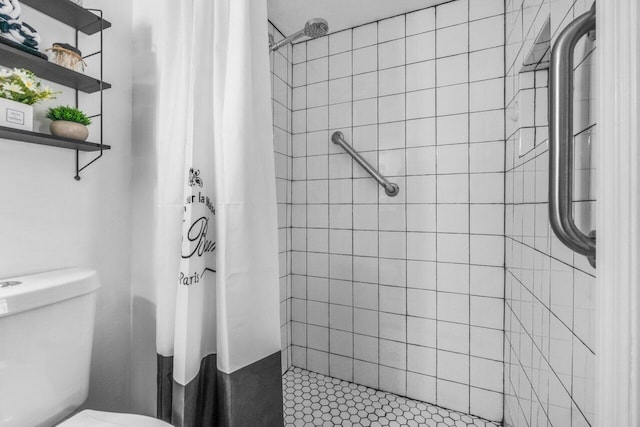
{"x": 312, "y": 399}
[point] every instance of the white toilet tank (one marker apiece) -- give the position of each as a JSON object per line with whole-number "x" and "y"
{"x": 46, "y": 332}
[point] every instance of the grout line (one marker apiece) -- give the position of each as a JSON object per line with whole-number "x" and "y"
{"x": 406, "y": 234}
{"x": 329, "y": 242}
{"x": 435, "y": 47}
{"x": 469, "y": 197}
{"x": 377, "y": 124}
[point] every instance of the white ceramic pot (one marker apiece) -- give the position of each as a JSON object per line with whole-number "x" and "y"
{"x": 16, "y": 115}
{"x": 71, "y": 130}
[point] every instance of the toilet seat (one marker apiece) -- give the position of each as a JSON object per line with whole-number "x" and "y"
{"x": 89, "y": 418}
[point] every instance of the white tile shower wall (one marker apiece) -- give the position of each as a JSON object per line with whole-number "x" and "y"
{"x": 549, "y": 293}
{"x": 281, "y": 92}
{"x": 403, "y": 294}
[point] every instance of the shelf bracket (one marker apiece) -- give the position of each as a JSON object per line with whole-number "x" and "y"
{"x": 80, "y": 169}
{"x": 99, "y": 52}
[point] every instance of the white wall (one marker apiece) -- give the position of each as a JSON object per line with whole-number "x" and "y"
{"x": 50, "y": 221}
{"x": 550, "y": 291}
{"x": 144, "y": 42}
{"x": 281, "y": 92}
{"x": 403, "y": 294}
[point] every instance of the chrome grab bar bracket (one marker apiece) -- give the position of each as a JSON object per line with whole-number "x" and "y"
{"x": 390, "y": 188}
{"x": 561, "y": 150}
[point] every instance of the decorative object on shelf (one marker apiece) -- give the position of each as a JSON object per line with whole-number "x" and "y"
{"x": 10, "y": 8}
{"x": 12, "y": 28}
{"x": 68, "y": 56}
{"x": 68, "y": 122}
{"x": 16, "y": 115}
{"x": 19, "y": 90}
{"x": 16, "y": 54}
{"x": 23, "y": 48}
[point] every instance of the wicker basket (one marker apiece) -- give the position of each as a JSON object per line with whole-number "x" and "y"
{"x": 67, "y": 56}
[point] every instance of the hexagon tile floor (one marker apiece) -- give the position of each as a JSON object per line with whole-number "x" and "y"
{"x": 312, "y": 399}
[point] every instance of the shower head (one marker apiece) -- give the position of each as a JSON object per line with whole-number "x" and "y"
{"x": 316, "y": 27}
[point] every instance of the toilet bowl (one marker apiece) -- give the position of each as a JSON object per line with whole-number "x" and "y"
{"x": 89, "y": 418}
{"x": 46, "y": 331}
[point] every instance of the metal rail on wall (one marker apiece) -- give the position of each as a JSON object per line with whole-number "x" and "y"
{"x": 391, "y": 189}
{"x": 561, "y": 149}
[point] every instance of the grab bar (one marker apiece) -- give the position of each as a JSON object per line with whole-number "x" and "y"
{"x": 391, "y": 189}
{"x": 561, "y": 150}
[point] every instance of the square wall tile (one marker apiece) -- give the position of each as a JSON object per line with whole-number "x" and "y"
{"x": 391, "y": 81}
{"x": 485, "y": 9}
{"x": 452, "y": 41}
{"x": 421, "y": 21}
{"x": 393, "y": 354}
{"x": 421, "y": 303}
{"x": 453, "y": 70}
{"x": 318, "y": 361}
{"x": 453, "y": 188}
{"x": 453, "y": 129}
{"x": 452, "y": 395}
{"x": 421, "y": 332}
{"x": 340, "y": 65}
{"x": 392, "y": 326}
{"x": 340, "y": 42}
{"x": 453, "y": 366}
{"x": 391, "y": 28}
{"x": 366, "y": 348}
{"x": 486, "y": 33}
{"x": 365, "y": 85}
{"x": 365, "y": 373}
{"x": 421, "y": 360}
{"x": 317, "y": 48}
{"x": 421, "y": 132}
{"x": 420, "y": 75}
{"x": 486, "y": 64}
{"x": 421, "y": 387}
{"x": 421, "y": 47}
{"x": 317, "y": 70}
{"x": 341, "y": 367}
{"x": 452, "y": 13}
{"x": 393, "y": 299}
{"x": 453, "y": 307}
{"x": 391, "y": 108}
{"x": 394, "y": 380}
{"x": 421, "y": 104}
{"x": 391, "y": 54}
{"x": 365, "y": 60}
{"x": 453, "y": 99}
{"x": 341, "y": 343}
{"x": 340, "y": 90}
{"x": 365, "y": 35}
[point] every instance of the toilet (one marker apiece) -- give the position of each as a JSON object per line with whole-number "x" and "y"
{"x": 46, "y": 334}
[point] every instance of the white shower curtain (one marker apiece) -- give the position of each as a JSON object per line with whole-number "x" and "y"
{"x": 214, "y": 232}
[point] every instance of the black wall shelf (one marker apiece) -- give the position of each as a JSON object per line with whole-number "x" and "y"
{"x": 82, "y": 20}
{"x": 70, "y": 13}
{"x": 50, "y": 71}
{"x": 50, "y": 140}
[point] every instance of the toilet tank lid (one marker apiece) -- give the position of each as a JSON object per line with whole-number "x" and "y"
{"x": 23, "y": 293}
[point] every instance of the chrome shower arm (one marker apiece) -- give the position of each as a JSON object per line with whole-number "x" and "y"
{"x": 293, "y": 37}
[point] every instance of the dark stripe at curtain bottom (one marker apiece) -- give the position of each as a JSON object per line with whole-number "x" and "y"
{"x": 251, "y": 396}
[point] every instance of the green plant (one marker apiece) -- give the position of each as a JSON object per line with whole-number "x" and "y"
{"x": 69, "y": 114}
{"x": 23, "y": 86}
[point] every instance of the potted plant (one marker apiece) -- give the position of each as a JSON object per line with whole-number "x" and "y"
{"x": 19, "y": 90}
{"x": 68, "y": 122}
